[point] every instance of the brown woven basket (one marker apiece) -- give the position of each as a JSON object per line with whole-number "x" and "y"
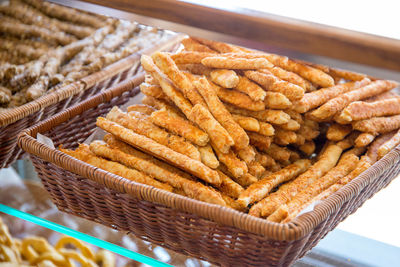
{"x": 213, "y": 233}
{"x": 15, "y": 120}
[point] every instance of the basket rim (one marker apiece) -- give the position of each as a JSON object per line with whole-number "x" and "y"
{"x": 14, "y": 114}
{"x": 295, "y": 230}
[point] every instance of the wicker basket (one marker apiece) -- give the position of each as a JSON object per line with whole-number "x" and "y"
{"x": 205, "y": 231}
{"x": 15, "y": 120}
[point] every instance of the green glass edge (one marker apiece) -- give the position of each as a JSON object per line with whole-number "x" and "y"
{"x": 84, "y": 237}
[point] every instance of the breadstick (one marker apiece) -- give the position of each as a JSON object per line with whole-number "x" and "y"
{"x": 259, "y": 141}
{"x": 251, "y": 89}
{"x": 223, "y": 116}
{"x": 295, "y": 116}
{"x": 225, "y": 78}
{"x": 124, "y": 147}
{"x": 291, "y": 125}
{"x": 278, "y": 153}
{"x": 292, "y": 77}
{"x": 389, "y": 145}
{"x": 84, "y": 154}
{"x": 256, "y": 169}
{"x": 142, "y": 124}
{"x": 142, "y": 108}
{"x": 260, "y": 189}
{"x": 217, "y": 46}
{"x": 247, "y": 123}
{"x": 246, "y": 154}
{"x": 266, "y": 129}
{"x": 264, "y": 159}
{"x": 317, "y": 98}
{"x": 267, "y": 115}
{"x": 228, "y": 186}
{"x": 5, "y": 95}
{"x": 217, "y": 134}
{"x": 66, "y": 13}
{"x": 179, "y": 126}
{"x": 221, "y": 62}
{"x": 287, "y": 191}
{"x": 346, "y": 164}
{"x": 197, "y": 69}
{"x": 362, "y": 110}
{"x": 192, "y": 189}
{"x": 284, "y": 137}
{"x": 308, "y": 147}
{"x": 16, "y": 49}
{"x": 146, "y": 144}
{"x": 165, "y": 63}
{"x": 190, "y": 57}
{"x": 307, "y": 132}
{"x": 333, "y": 106}
{"x": 244, "y": 180}
{"x": 378, "y": 124}
{"x": 235, "y": 166}
{"x": 208, "y": 157}
{"x": 230, "y": 202}
{"x": 154, "y": 91}
{"x": 372, "y": 152}
{"x": 383, "y": 96}
{"x": 271, "y": 83}
{"x": 364, "y": 139}
{"x": 179, "y": 100}
{"x": 309, "y": 73}
{"x": 238, "y": 99}
{"x": 192, "y": 45}
{"x": 275, "y": 100}
{"x": 337, "y": 132}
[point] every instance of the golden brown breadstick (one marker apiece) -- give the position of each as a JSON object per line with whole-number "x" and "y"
{"x": 221, "y": 62}
{"x": 154, "y": 91}
{"x": 244, "y": 180}
{"x": 192, "y": 189}
{"x": 223, "y": 116}
{"x": 142, "y": 124}
{"x": 192, "y": 45}
{"x": 237, "y": 98}
{"x": 266, "y": 129}
{"x": 295, "y": 116}
{"x": 247, "y": 123}
{"x": 225, "y": 78}
{"x": 378, "y": 124}
{"x": 309, "y": 73}
{"x": 235, "y": 166}
{"x": 275, "y": 100}
{"x": 383, "y": 96}
{"x": 208, "y": 157}
{"x": 284, "y": 137}
{"x": 291, "y": 125}
{"x": 256, "y": 169}
{"x": 364, "y": 139}
{"x": 292, "y": 78}
{"x": 146, "y": 144}
{"x": 179, "y": 100}
{"x": 197, "y": 69}
{"x": 190, "y": 57}
{"x": 272, "y": 83}
{"x": 259, "y": 141}
{"x": 278, "y": 153}
{"x": 165, "y": 63}
{"x": 267, "y": 115}
{"x": 124, "y": 147}
{"x": 389, "y": 145}
{"x": 179, "y": 126}
{"x": 315, "y": 99}
{"x": 260, "y": 189}
{"x": 264, "y": 159}
{"x": 287, "y": 191}
{"x": 337, "y": 132}
{"x": 246, "y": 154}
{"x": 217, "y": 134}
{"x": 372, "y": 152}
{"x": 346, "y": 164}
{"x": 228, "y": 186}
{"x": 308, "y": 132}
{"x": 84, "y": 154}
{"x": 250, "y": 88}
{"x": 333, "y": 106}
{"x": 308, "y": 147}
{"x": 142, "y": 108}
{"x": 217, "y": 46}
{"x": 362, "y": 110}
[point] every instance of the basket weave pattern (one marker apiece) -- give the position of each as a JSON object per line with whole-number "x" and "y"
{"x": 209, "y": 232}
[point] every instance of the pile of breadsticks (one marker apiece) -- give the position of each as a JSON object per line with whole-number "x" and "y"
{"x": 36, "y": 251}
{"x": 257, "y": 132}
{"x": 44, "y": 46}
